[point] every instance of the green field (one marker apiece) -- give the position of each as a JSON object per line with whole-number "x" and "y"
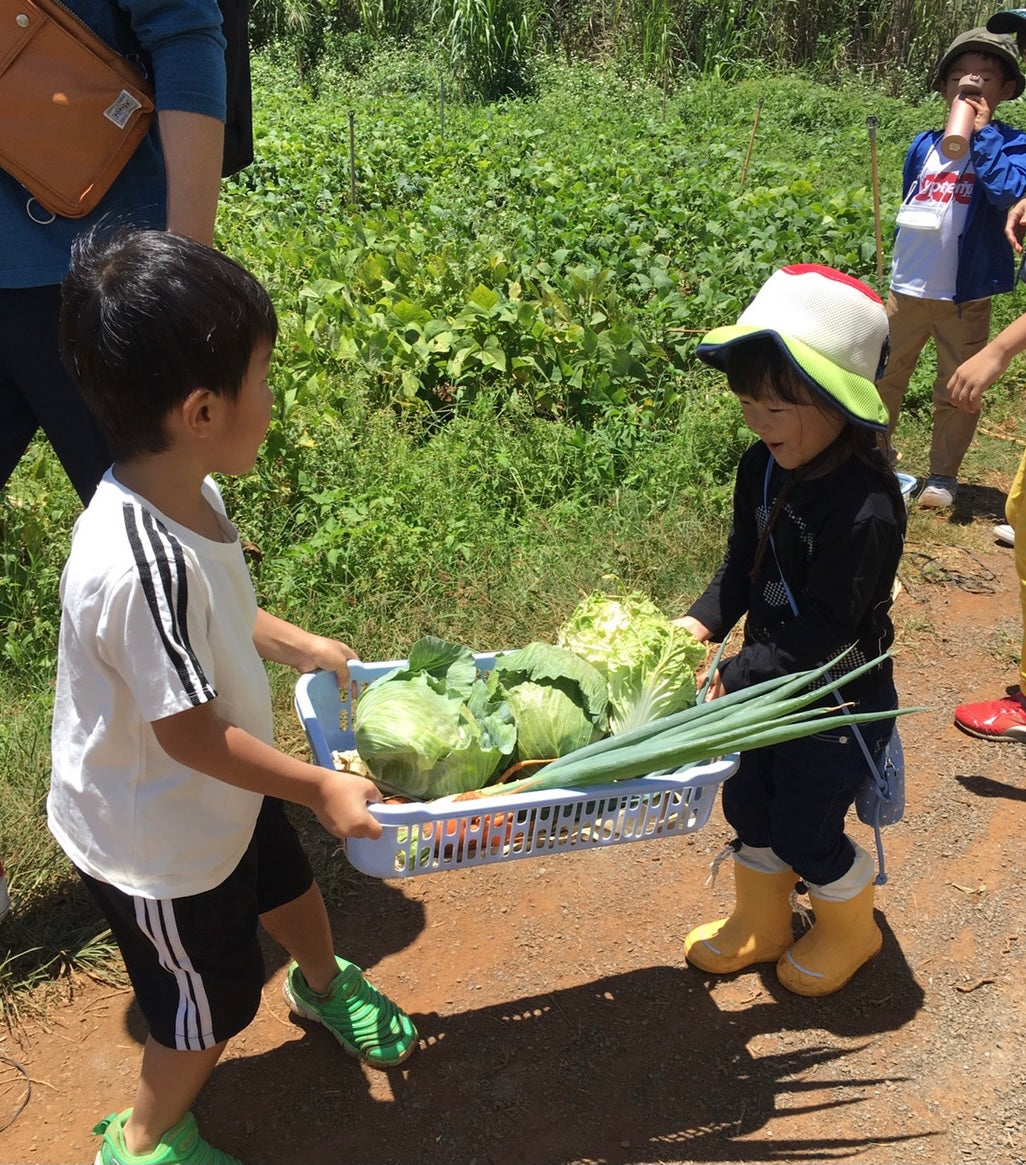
{"x": 486, "y": 395}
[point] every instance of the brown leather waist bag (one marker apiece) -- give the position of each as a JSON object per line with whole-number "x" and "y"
{"x": 72, "y": 110}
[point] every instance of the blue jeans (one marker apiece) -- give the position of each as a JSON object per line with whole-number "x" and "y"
{"x": 794, "y": 797}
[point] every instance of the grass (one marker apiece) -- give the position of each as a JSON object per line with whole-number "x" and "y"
{"x": 486, "y": 395}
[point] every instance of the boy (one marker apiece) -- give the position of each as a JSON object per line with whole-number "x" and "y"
{"x": 166, "y": 790}
{"x": 950, "y": 254}
{"x": 1005, "y": 717}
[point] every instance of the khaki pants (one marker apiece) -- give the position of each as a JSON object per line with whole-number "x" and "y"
{"x": 1015, "y": 512}
{"x": 958, "y": 330}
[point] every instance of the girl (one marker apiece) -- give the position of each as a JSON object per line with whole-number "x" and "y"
{"x": 811, "y": 559}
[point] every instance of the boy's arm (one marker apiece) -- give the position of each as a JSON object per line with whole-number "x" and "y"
{"x": 199, "y": 739}
{"x": 282, "y": 642}
{"x": 971, "y": 378}
{"x": 1000, "y": 164}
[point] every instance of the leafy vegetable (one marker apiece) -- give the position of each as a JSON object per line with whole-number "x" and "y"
{"x": 433, "y": 728}
{"x": 765, "y": 714}
{"x": 648, "y": 661}
{"x": 558, "y": 700}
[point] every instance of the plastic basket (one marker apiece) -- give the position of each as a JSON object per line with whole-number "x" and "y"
{"x": 427, "y": 837}
{"x": 907, "y": 484}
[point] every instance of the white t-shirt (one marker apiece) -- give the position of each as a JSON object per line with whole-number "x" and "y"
{"x": 156, "y": 620}
{"x": 926, "y": 261}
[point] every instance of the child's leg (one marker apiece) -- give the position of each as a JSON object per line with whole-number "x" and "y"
{"x": 168, "y": 1084}
{"x": 303, "y": 929}
{"x": 319, "y": 985}
{"x": 910, "y": 329}
{"x": 759, "y": 928}
{"x": 960, "y": 332}
{"x": 197, "y": 971}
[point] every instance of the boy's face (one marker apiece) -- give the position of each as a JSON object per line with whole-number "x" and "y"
{"x": 245, "y": 419}
{"x": 794, "y": 433}
{"x": 986, "y": 72}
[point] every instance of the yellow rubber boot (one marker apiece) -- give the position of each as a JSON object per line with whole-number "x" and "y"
{"x": 758, "y": 931}
{"x": 844, "y": 937}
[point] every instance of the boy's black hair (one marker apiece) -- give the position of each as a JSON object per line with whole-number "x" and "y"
{"x": 759, "y": 369}
{"x": 146, "y": 318}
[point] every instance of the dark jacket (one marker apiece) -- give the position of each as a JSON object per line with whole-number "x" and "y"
{"x": 838, "y": 539}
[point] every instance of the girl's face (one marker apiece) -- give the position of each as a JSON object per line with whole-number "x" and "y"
{"x": 794, "y": 433}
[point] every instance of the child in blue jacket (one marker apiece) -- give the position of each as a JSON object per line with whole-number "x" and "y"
{"x": 950, "y": 253}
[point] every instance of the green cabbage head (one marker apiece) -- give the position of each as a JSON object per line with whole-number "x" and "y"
{"x": 433, "y": 728}
{"x": 558, "y": 699}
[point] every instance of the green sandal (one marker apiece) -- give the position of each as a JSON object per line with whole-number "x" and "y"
{"x": 181, "y": 1145}
{"x": 365, "y": 1022}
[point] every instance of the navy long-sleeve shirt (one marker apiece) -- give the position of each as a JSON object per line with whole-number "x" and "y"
{"x": 838, "y": 540}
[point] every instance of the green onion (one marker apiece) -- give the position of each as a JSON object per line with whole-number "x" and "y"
{"x": 768, "y": 713}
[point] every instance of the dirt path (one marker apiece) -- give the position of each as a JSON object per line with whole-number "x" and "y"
{"x": 559, "y": 1024}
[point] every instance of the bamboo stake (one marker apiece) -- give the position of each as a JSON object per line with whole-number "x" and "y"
{"x": 352, "y": 157}
{"x": 871, "y": 126}
{"x": 751, "y": 142}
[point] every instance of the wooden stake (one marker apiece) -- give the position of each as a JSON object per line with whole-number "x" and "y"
{"x": 352, "y": 157}
{"x": 751, "y": 142}
{"x": 871, "y": 126}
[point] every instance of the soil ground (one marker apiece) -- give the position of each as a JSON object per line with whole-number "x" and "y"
{"x": 559, "y": 1023}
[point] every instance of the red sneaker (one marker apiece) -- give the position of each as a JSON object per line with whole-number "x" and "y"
{"x": 1003, "y": 719}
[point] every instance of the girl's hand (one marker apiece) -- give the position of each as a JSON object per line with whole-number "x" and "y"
{"x": 716, "y": 688}
{"x": 699, "y": 630}
{"x": 971, "y": 378}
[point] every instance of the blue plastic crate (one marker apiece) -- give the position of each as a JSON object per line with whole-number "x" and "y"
{"x": 427, "y": 837}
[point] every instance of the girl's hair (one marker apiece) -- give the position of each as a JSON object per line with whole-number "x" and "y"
{"x": 759, "y": 369}
{"x": 146, "y": 318}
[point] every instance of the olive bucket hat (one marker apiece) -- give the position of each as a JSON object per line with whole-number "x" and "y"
{"x": 982, "y": 40}
{"x": 832, "y": 328}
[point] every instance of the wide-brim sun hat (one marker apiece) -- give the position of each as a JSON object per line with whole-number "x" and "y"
{"x": 982, "y": 40}
{"x": 832, "y": 329}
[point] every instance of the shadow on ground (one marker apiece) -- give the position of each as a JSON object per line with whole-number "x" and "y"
{"x": 630, "y": 1068}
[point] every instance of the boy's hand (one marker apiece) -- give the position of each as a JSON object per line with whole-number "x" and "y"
{"x": 325, "y": 654}
{"x": 983, "y": 110}
{"x": 283, "y": 642}
{"x": 1015, "y": 224}
{"x": 342, "y": 806}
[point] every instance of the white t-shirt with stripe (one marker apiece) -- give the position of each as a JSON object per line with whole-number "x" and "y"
{"x": 156, "y": 620}
{"x": 926, "y": 261}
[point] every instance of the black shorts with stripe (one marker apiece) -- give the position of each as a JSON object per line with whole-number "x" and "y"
{"x": 195, "y": 962}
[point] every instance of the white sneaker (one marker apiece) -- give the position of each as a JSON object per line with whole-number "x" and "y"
{"x": 1004, "y": 534}
{"x": 939, "y": 493}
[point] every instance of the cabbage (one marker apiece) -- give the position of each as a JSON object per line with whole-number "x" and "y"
{"x": 433, "y": 728}
{"x": 558, "y": 700}
{"x": 648, "y": 661}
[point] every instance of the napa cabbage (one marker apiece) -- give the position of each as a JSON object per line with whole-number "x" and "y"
{"x": 648, "y": 661}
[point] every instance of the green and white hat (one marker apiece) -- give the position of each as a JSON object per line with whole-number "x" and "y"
{"x": 832, "y": 328}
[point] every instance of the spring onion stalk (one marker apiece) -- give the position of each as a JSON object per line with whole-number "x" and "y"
{"x": 765, "y": 714}
{"x": 733, "y": 703}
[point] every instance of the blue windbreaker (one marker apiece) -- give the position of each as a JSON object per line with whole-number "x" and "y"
{"x": 986, "y": 265}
